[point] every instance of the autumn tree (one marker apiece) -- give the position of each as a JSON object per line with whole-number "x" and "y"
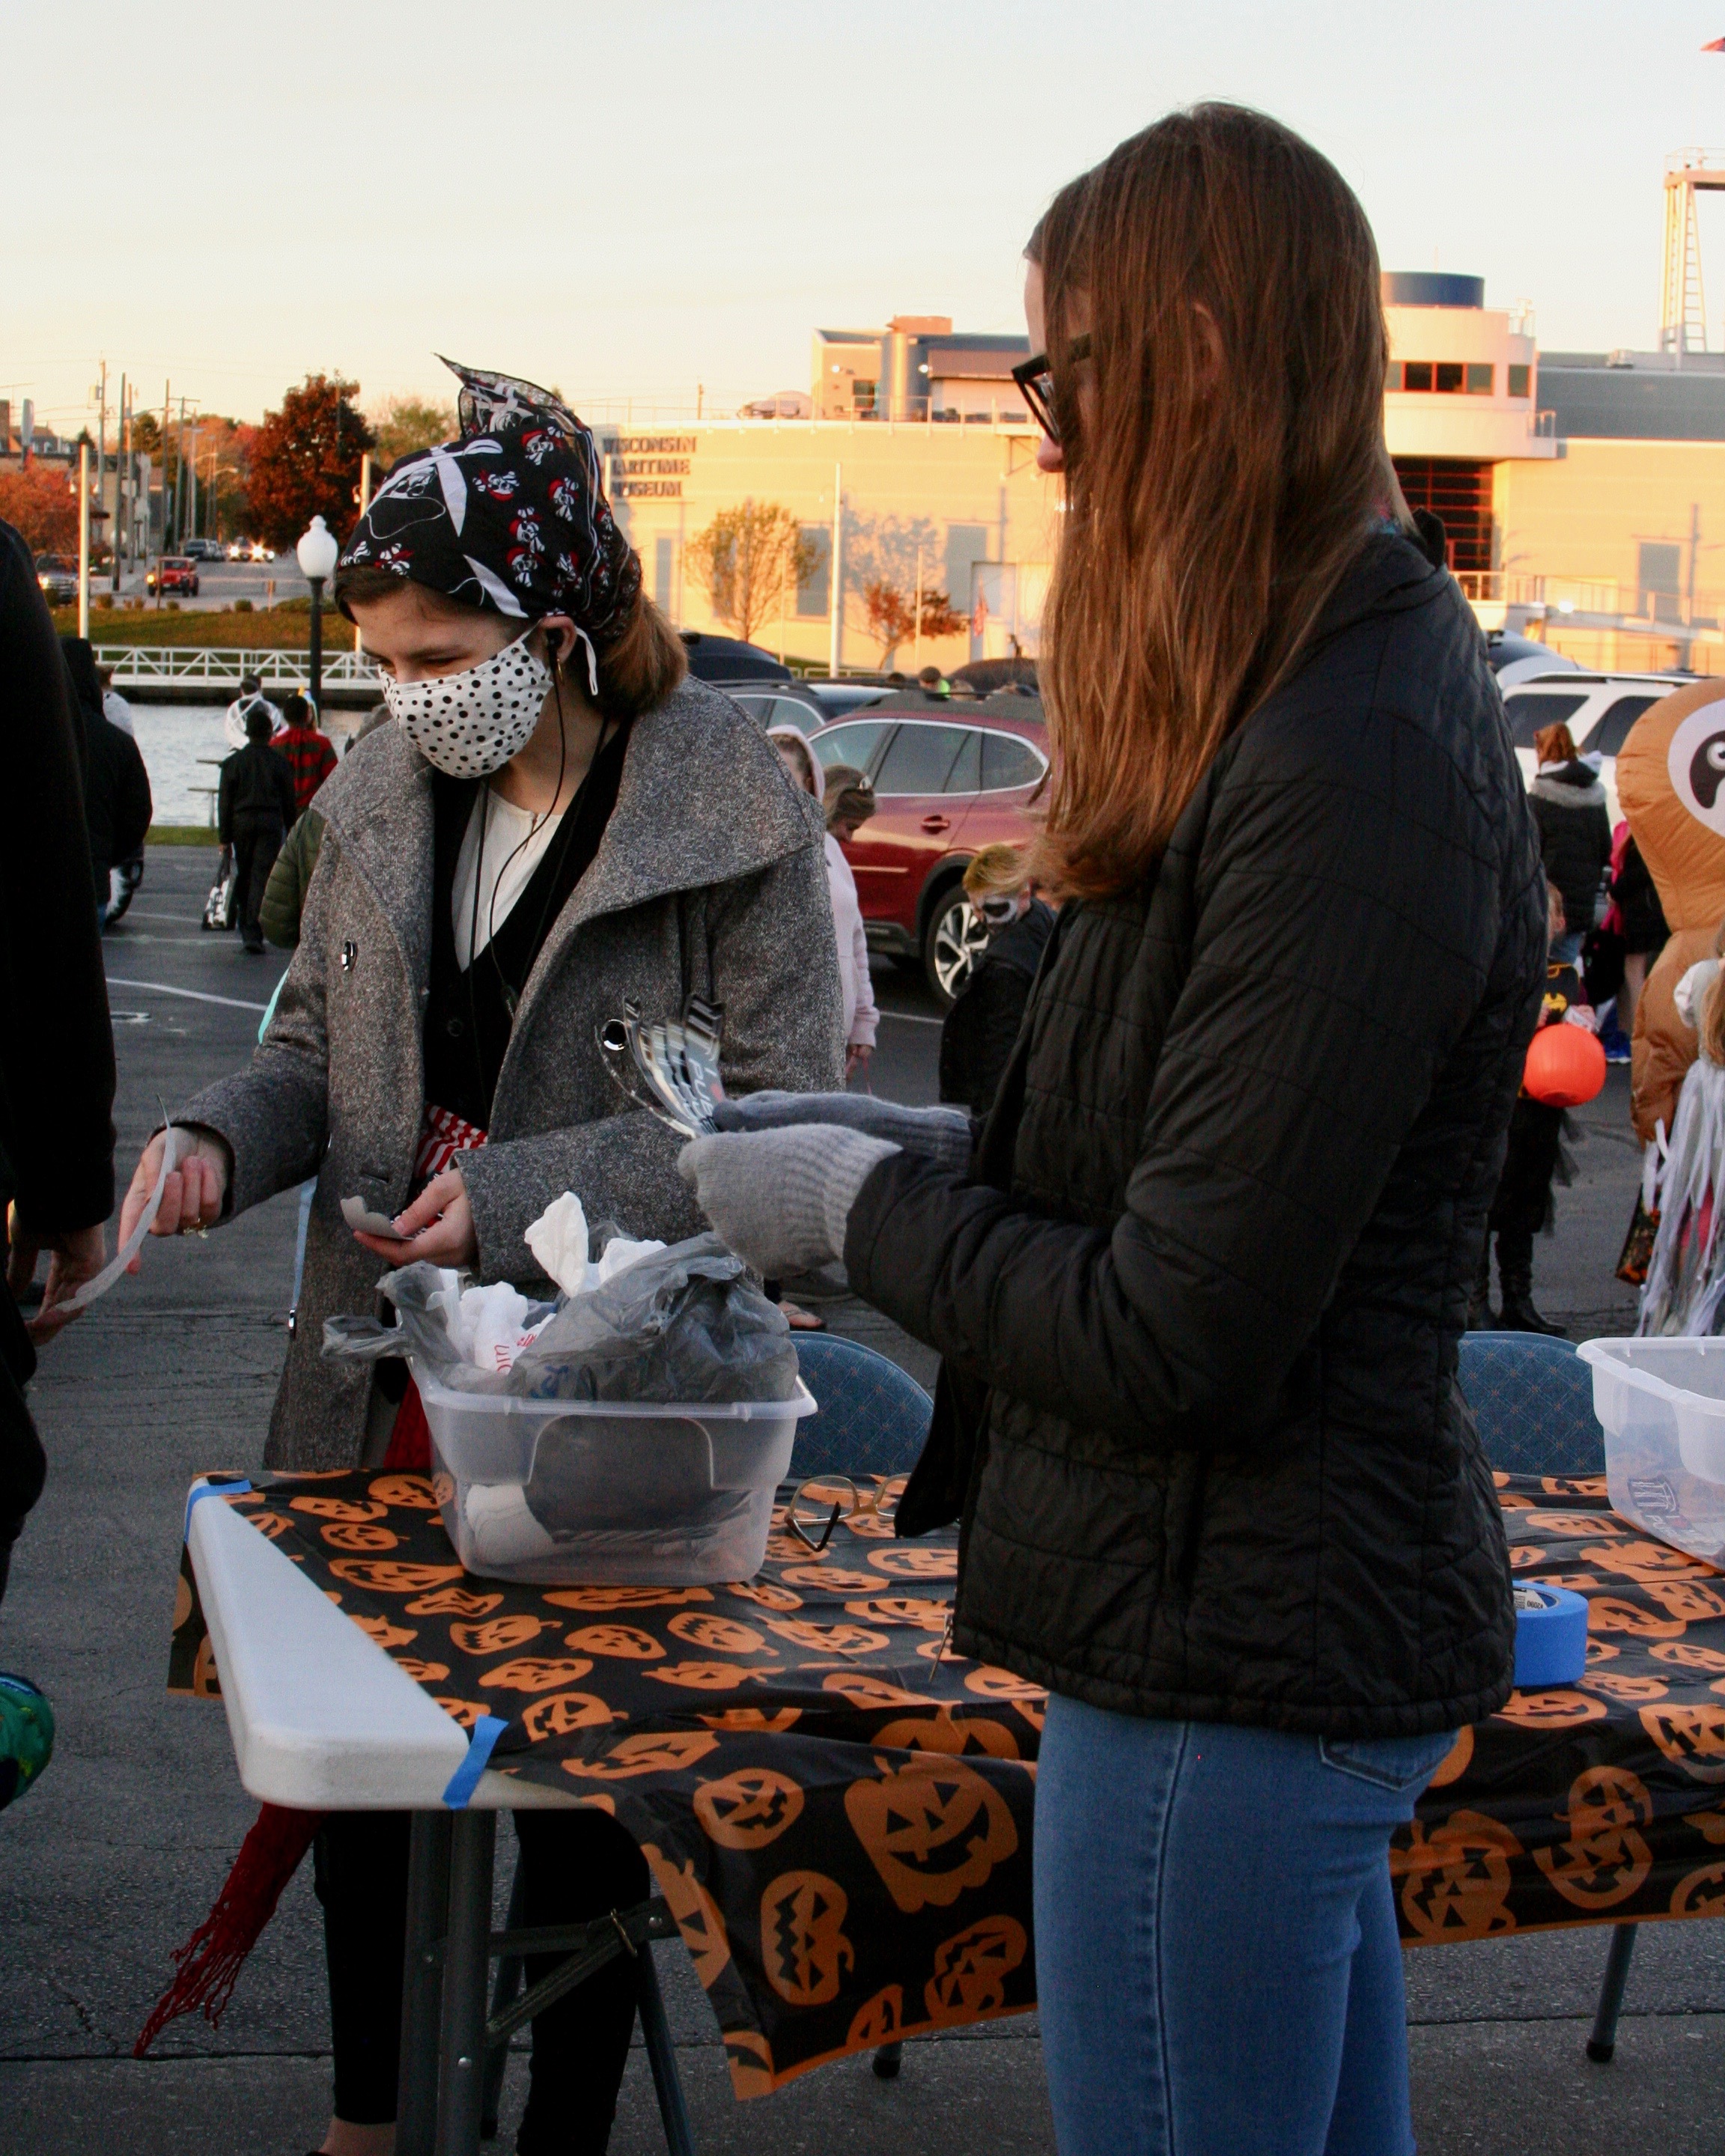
{"x": 892, "y": 616}
{"x": 43, "y": 502}
{"x": 751, "y": 561}
{"x": 407, "y": 423}
{"x": 305, "y": 460}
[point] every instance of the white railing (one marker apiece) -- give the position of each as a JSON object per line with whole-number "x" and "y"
{"x": 137, "y": 665}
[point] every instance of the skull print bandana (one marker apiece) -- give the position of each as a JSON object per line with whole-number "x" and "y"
{"x": 511, "y": 516}
{"x": 470, "y": 724}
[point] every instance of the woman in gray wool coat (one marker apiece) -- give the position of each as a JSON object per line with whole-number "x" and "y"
{"x": 557, "y": 821}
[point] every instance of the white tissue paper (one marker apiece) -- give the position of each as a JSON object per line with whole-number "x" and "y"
{"x": 488, "y": 1326}
{"x": 558, "y": 1239}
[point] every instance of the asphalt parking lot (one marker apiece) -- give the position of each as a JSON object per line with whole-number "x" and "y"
{"x": 113, "y": 1859}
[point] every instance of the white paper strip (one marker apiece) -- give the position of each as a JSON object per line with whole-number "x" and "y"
{"x": 130, "y": 1248}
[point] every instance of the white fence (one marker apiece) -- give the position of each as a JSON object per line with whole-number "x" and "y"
{"x": 138, "y": 665}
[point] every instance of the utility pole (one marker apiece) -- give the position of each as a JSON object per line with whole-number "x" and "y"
{"x": 102, "y": 448}
{"x": 83, "y": 538}
{"x": 365, "y": 481}
{"x": 120, "y": 482}
{"x": 916, "y": 662}
{"x": 167, "y": 412}
{"x": 837, "y": 596}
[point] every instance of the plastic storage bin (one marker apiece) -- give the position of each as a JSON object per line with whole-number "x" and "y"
{"x": 558, "y": 1493}
{"x": 1661, "y": 1404}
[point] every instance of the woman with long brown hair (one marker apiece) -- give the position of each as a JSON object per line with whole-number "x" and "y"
{"x": 1200, "y": 1290}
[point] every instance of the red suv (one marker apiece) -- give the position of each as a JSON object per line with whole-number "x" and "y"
{"x": 951, "y": 777}
{"x": 173, "y": 572}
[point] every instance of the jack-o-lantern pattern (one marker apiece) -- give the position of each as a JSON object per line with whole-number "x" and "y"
{"x": 836, "y": 1804}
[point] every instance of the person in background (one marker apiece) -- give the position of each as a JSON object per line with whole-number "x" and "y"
{"x": 117, "y": 806}
{"x": 845, "y": 793}
{"x": 251, "y": 698}
{"x": 56, "y": 1042}
{"x": 290, "y": 878}
{"x": 931, "y": 681}
{"x": 254, "y": 807}
{"x": 1522, "y": 1207}
{"x": 1569, "y": 804}
{"x": 1641, "y": 924}
{"x": 115, "y": 708}
{"x": 849, "y": 802}
{"x": 982, "y": 1024}
{"x": 311, "y": 755}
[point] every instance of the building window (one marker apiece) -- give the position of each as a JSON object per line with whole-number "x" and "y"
{"x": 1660, "y": 571}
{"x": 1447, "y": 377}
{"x": 1518, "y": 381}
{"x": 862, "y": 396}
{"x": 814, "y": 598}
{"x": 1459, "y": 490}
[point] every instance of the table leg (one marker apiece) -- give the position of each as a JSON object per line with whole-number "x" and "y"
{"x": 661, "y": 2055}
{"x": 461, "y": 2064}
{"x": 422, "y": 1985}
{"x": 1602, "y": 2042}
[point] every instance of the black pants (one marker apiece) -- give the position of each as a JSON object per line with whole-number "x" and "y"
{"x": 255, "y": 846}
{"x": 1523, "y": 1203}
{"x": 24, "y": 1465}
{"x": 579, "y": 1865}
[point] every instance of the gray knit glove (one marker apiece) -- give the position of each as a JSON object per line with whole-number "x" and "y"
{"x": 780, "y": 1199}
{"x": 941, "y": 1135}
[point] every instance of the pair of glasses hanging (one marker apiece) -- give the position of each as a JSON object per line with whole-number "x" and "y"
{"x": 818, "y": 1504}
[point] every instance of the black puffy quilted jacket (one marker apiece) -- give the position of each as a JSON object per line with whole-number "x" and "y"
{"x": 1204, "y": 1289}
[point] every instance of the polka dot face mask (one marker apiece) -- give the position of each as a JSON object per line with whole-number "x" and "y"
{"x": 469, "y": 724}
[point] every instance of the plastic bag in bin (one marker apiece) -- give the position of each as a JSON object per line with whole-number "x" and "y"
{"x": 684, "y": 1324}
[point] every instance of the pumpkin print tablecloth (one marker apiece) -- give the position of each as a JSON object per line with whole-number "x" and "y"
{"x": 838, "y": 1809}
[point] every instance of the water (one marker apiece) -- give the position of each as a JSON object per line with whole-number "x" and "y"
{"x": 182, "y": 746}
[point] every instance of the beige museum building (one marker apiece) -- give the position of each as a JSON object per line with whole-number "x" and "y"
{"x": 1584, "y": 493}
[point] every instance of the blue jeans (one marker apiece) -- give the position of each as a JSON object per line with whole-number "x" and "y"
{"x": 1216, "y": 1950}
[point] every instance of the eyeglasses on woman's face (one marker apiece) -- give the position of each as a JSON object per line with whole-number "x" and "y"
{"x": 1034, "y": 377}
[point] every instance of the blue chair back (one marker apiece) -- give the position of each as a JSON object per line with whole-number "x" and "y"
{"x": 1533, "y": 1400}
{"x": 873, "y": 1419}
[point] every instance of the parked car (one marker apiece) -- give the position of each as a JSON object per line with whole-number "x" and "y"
{"x": 1599, "y": 710}
{"x": 205, "y": 550}
{"x": 173, "y": 572}
{"x": 946, "y": 785}
{"x": 57, "y": 576}
{"x": 837, "y": 699}
{"x": 727, "y": 659}
{"x": 780, "y": 704}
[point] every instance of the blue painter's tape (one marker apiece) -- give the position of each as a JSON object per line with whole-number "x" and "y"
{"x": 238, "y": 1489}
{"x": 1551, "y": 1641}
{"x": 465, "y": 1778}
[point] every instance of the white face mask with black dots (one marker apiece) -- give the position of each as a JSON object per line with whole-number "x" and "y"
{"x": 469, "y": 724}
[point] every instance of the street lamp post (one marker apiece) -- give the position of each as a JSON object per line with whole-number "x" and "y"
{"x": 317, "y": 553}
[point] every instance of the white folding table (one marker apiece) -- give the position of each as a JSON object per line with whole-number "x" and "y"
{"x": 322, "y": 1720}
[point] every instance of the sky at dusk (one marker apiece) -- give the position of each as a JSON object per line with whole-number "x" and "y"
{"x": 626, "y": 201}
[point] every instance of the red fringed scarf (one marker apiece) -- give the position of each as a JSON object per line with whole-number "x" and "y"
{"x": 207, "y": 1966}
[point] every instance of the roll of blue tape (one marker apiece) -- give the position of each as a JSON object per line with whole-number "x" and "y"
{"x": 1551, "y": 1637}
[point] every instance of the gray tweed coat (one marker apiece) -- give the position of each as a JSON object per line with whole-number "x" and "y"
{"x": 710, "y": 878}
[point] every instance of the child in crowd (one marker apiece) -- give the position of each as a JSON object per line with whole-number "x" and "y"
{"x": 849, "y": 802}
{"x": 978, "y": 1037}
{"x": 1523, "y": 1204}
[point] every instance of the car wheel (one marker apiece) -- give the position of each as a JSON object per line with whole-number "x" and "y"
{"x": 955, "y": 939}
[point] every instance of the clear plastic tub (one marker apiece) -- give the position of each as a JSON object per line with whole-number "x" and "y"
{"x": 554, "y": 1493}
{"x": 1661, "y": 1404}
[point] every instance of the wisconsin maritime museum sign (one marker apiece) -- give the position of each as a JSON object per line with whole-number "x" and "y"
{"x": 648, "y": 465}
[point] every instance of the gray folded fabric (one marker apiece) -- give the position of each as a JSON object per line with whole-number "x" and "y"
{"x": 941, "y": 1135}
